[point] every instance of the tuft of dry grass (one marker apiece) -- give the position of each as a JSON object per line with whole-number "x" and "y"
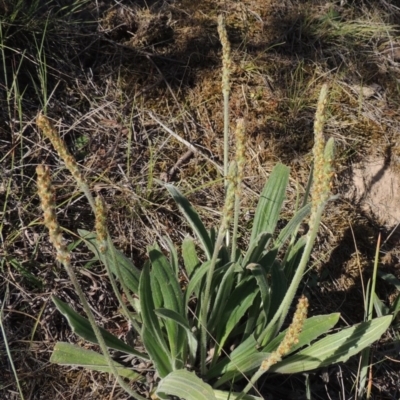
{"x": 98, "y": 73}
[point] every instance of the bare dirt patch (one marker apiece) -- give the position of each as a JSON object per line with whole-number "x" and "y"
{"x": 376, "y": 189}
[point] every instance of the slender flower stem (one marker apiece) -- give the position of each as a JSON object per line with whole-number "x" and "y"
{"x": 47, "y": 195}
{"x": 206, "y": 300}
{"x": 240, "y": 161}
{"x": 227, "y": 215}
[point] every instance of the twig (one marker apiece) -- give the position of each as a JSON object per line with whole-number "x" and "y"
{"x": 186, "y": 143}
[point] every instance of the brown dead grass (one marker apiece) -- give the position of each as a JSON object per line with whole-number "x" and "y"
{"x": 104, "y": 78}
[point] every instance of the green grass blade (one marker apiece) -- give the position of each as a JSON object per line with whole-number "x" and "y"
{"x": 3, "y": 332}
{"x": 365, "y": 354}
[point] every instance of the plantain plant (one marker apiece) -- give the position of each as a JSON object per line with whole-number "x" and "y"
{"x": 215, "y": 336}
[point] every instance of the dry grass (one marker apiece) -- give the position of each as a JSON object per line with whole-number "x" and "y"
{"x": 100, "y": 69}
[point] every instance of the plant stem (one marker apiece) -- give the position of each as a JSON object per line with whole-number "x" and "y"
{"x": 276, "y": 322}
{"x": 206, "y": 299}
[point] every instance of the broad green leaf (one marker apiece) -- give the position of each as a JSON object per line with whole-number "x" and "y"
{"x": 262, "y": 282}
{"x": 185, "y": 384}
{"x": 253, "y": 318}
{"x": 156, "y": 290}
{"x": 271, "y": 201}
{"x": 291, "y": 226}
{"x": 223, "y": 293}
{"x": 158, "y": 355}
{"x": 247, "y": 365}
{"x": 239, "y": 302}
{"x": 130, "y": 274}
{"x": 81, "y": 326}
{"x": 172, "y": 297}
{"x": 164, "y": 273}
{"x": 152, "y": 334}
{"x": 278, "y": 288}
{"x": 195, "y": 281}
{"x": 276, "y": 319}
{"x": 189, "y": 255}
{"x": 193, "y": 218}
{"x": 313, "y": 328}
{"x": 256, "y": 248}
{"x": 338, "y": 347}
{"x": 293, "y": 258}
{"x": 261, "y": 323}
{"x": 69, "y": 354}
{"x": 177, "y": 318}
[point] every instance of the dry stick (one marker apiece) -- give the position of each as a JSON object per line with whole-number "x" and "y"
{"x": 197, "y": 151}
{"x": 181, "y": 161}
{"x": 186, "y": 143}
